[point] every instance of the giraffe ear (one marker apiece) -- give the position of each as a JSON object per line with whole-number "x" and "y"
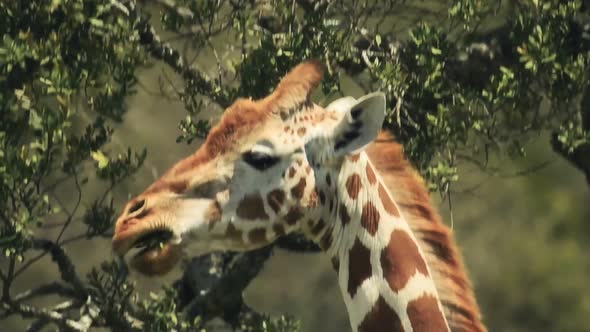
{"x": 296, "y": 87}
{"x": 361, "y": 122}
{"x": 342, "y": 105}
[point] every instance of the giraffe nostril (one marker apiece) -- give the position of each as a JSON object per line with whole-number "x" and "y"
{"x": 137, "y": 206}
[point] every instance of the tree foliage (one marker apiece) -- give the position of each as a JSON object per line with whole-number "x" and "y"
{"x": 484, "y": 78}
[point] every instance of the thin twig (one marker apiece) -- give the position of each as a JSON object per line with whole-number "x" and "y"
{"x": 47, "y": 289}
{"x": 71, "y": 216}
{"x": 29, "y": 263}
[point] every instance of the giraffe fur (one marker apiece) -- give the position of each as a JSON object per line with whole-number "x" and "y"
{"x": 284, "y": 164}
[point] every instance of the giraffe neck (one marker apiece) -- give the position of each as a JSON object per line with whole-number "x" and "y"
{"x": 382, "y": 272}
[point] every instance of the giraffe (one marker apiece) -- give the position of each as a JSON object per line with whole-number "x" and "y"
{"x": 284, "y": 164}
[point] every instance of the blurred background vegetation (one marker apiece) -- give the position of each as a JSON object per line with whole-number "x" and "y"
{"x": 491, "y": 100}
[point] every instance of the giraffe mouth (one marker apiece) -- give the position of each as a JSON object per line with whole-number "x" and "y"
{"x": 143, "y": 242}
{"x": 154, "y": 252}
{"x": 154, "y": 240}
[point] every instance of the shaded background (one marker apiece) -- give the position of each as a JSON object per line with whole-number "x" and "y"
{"x": 522, "y": 235}
{"x": 523, "y": 230}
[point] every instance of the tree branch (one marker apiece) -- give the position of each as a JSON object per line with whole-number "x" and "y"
{"x": 65, "y": 265}
{"x": 47, "y": 289}
{"x": 163, "y": 51}
{"x": 219, "y": 293}
{"x": 579, "y": 157}
{"x": 54, "y": 316}
{"x": 8, "y": 280}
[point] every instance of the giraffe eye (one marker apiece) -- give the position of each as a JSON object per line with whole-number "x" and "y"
{"x": 259, "y": 160}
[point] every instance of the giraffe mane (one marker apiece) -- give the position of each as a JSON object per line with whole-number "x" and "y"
{"x": 434, "y": 237}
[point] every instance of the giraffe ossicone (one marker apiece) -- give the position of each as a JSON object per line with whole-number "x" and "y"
{"x": 284, "y": 164}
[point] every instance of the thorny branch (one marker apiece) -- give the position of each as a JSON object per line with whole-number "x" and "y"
{"x": 65, "y": 265}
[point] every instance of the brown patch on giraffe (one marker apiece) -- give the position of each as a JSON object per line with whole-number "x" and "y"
{"x": 371, "y": 174}
{"x": 382, "y": 318}
{"x": 298, "y": 189}
{"x": 292, "y": 171}
{"x": 344, "y": 216}
{"x": 257, "y": 235}
{"x": 293, "y": 216}
{"x": 275, "y": 199}
{"x": 370, "y": 218}
{"x": 279, "y": 229}
{"x": 286, "y": 129}
{"x": 401, "y": 259}
{"x": 388, "y": 204}
{"x": 252, "y": 207}
{"x": 326, "y": 240}
{"x": 313, "y": 198}
{"x": 178, "y": 187}
{"x": 425, "y": 314}
{"x": 353, "y": 185}
{"x": 354, "y": 157}
{"x": 319, "y": 118}
{"x": 301, "y": 131}
{"x": 299, "y": 162}
{"x": 359, "y": 265}
{"x": 307, "y": 169}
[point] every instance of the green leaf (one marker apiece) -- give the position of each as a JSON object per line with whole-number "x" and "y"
{"x": 507, "y": 71}
{"x": 100, "y": 157}
{"x": 96, "y": 22}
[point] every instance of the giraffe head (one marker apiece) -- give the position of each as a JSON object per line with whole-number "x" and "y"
{"x": 254, "y": 178}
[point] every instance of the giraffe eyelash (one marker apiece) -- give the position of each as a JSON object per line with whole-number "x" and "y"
{"x": 259, "y": 160}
